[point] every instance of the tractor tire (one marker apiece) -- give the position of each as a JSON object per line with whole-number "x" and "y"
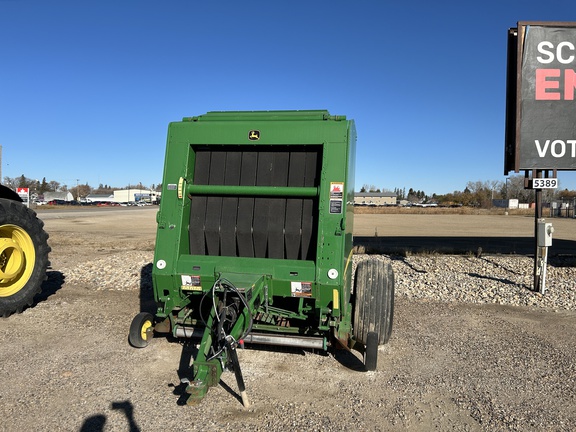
{"x": 23, "y": 256}
{"x": 373, "y": 301}
{"x": 141, "y": 330}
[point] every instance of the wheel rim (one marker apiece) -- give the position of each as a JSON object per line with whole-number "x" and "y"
{"x": 17, "y": 257}
{"x": 144, "y": 329}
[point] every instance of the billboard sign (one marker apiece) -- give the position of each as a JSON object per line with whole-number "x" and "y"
{"x": 541, "y": 91}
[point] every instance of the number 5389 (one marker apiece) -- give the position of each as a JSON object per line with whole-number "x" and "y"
{"x": 545, "y": 183}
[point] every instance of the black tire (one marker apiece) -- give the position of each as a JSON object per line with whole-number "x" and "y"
{"x": 23, "y": 256}
{"x": 373, "y": 300}
{"x": 371, "y": 352}
{"x": 141, "y": 330}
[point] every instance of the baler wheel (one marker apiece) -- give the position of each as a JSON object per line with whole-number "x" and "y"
{"x": 373, "y": 301}
{"x": 141, "y": 330}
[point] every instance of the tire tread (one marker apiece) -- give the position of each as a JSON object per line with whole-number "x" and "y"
{"x": 374, "y": 300}
{"x": 15, "y": 213}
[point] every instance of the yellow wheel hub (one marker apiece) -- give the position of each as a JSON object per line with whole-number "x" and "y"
{"x": 17, "y": 258}
{"x": 144, "y": 330}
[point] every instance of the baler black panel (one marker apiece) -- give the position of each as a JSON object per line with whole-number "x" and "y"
{"x": 228, "y": 221}
{"x": 214, "y": 205}
{"x": 309, "y": 212}
{"x": 278, "y": 207}
{"x": 198, "y": 205}
{"x": 293, "y": 227}
{"x": 246, "y": 226}
{"x": 246, "y": 205}
{"x": 262, "y": 205}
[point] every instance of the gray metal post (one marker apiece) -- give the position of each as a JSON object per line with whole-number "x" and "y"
{"x": 537, "y": 216}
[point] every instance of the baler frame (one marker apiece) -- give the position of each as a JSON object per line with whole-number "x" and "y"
{"x": 254, "y": 242}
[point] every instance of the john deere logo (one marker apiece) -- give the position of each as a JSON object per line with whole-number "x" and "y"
{"x": 254, "y": 135}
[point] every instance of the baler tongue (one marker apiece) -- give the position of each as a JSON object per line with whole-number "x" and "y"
{"x": 229, "y": 320}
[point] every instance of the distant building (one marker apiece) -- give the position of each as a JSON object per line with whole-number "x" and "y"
{"x": 375, "y": 198}
{"x": 64, "y": 196}
{"x": 136, "y": 195}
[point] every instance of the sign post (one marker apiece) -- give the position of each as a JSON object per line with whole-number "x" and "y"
{"x": 540, "y": 255}
{"x": 540, "y": 115}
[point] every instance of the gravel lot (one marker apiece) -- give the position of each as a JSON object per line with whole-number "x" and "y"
{"x": 472, "y": 349}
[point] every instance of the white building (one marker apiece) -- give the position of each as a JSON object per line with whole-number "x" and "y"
{"x": 64, "y": 196}
{"x": 375, "y": 198}
{"x": 136, "y": 195}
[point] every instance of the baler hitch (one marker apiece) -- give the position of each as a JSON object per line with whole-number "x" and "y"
{"x": 229, "y": 321}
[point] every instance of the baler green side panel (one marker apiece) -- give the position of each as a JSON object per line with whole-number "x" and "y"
{"x": 349, "y": 223}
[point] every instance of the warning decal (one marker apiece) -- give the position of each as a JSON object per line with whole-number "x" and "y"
{"x": 191, "y": 283}
{"x": 336, "y": 197}
{"x": 301, "y": 289}
{"x": 336, "y": 190}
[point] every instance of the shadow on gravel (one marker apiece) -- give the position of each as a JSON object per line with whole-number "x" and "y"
{"x": 54, "y": 281}
{"x": 349, "y": 360}
{"x": 504, "y": 281}
{"x": 189, "y": 351}
{"x": 97, "y": 423}
{"x": 186, "y": 373}
{"x": 147, "y": 303}
{"x": 460, "y": 245}
{"x": 500, "y": 266}
{"x": 406, "y": 263}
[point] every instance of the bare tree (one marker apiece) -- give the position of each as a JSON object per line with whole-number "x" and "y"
{"x": 53, "y": 186}
{"x": 10, "y": 182}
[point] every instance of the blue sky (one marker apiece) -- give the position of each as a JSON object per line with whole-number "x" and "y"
{"x": 87, "y": 89}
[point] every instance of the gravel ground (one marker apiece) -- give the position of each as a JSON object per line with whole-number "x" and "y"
{"x": 503, "y": 280}
{"x": 473, "y": 349}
